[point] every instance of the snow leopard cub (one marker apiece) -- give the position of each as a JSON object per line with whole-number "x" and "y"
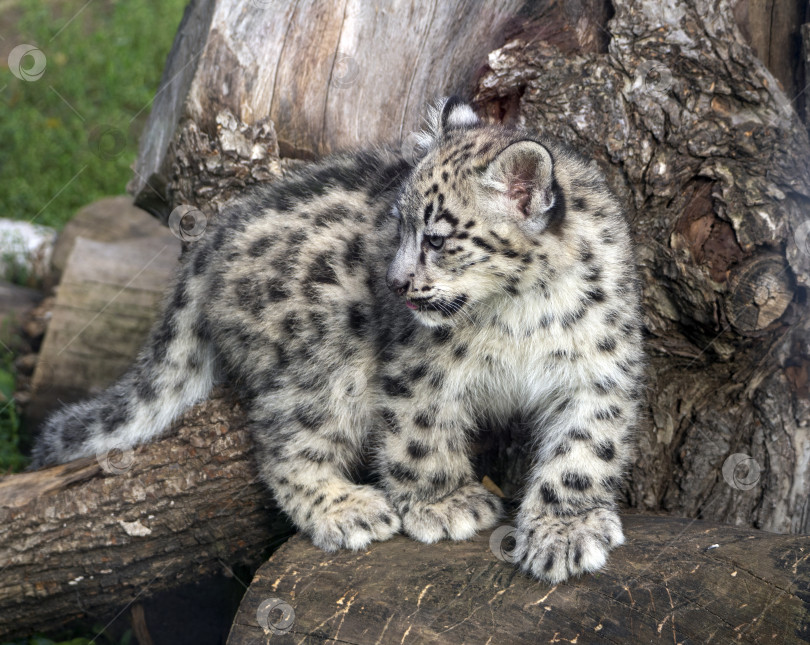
{"x": 365, "y": 302}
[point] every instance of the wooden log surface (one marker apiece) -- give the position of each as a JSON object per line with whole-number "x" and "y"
{"x": 315, "y": 76}
{"x": 82, "y": 539}
{"x": 675, "y": 581}
{"x": 105, "y": 305}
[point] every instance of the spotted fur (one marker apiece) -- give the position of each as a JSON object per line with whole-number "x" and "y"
{"x": 367, "y": 303}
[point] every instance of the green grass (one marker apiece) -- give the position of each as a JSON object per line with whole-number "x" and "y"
{"x": 69, "y": 137}
{"x": 11, "y": 459}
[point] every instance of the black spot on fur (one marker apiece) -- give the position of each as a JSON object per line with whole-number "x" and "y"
{"x": 321, "y": 270}
{"x": 357, "y": 318}
{"x": 613, "y": 412}
{"x": 483, "y": 244}
{"x": 419, "y": 371}
{"x": 417, "y": 450}
{"x": 275, "y": 290}
{"x": 596, "y": 295}
{"x": 260, "y": 246}
{"x": 439, "y": 480}
{"x": 355, "y": 250}
{"x": 162, "y": 337}
{"x": 447, "y": 215}
{"x": 396, "y": 386}
{"x": 593, "y": 274}
{"x": 292, "y": 324}
{"x": 390, "y": 418}
{"x": 436, "y": 379}
{"x": 576, "y": 481}
{"x": 580, "y": 203}
{"x": 308, "y": 416}
{"x": 442, "y": 334}
{"x": 460, "y": 351}
{"x": 606, "y": 345}
{"x": 428, "y": 212}
{"x": 424, "y": 419}
{"x": 570, "y": 318}
{"x": 115, "y": 413}
{"x": 562, "y": 449}
{"x": 605, "y": 450}
{"x": 145, "y": 390}
{"x": 180, "y": 298}
{"x": 402, "y": 473}
{"x": 549, "y": 496}
{"x": 332, "y": 215}
{"x": 604, "y": 385}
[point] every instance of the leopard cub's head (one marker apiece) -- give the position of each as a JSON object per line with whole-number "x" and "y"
{"x": 471, "y": 216}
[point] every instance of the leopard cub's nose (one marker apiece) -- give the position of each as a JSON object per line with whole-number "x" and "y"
{"x": 398, "y": 286}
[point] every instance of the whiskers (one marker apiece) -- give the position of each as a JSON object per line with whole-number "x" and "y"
{"x": 447, "y": 307}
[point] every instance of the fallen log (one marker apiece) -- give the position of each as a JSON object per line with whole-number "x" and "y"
{"x": 676, "y": 580}
{"x": 84, "y": 538}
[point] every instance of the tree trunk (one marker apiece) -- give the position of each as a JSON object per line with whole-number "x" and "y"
{"x": 247, "y": 79}
{"x": 713, "y": 162}
{"x": 81, "y": 539}
{"x": 678, "y": 581}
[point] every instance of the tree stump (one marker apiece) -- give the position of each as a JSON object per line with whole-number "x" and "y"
{"x": 676, "y": 580}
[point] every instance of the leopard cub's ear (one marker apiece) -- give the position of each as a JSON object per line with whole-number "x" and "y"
{"x": 455, "y": 113}
{"x": 520, "y": 181}
{"x": 447, "y": 114}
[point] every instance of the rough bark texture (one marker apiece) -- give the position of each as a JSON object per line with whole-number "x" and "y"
{"x": 676, "y": 581}
{"x": 713, "y": 161}
{"x": 245, "y": 79}
{"x": 81, "y": 539}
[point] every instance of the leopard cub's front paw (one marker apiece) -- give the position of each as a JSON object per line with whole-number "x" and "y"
{"x": 457, "y": 516}
{"x": 353, "y": 519}
{"x": 555, "y": 548}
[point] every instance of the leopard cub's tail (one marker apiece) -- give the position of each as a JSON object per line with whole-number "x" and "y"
{"x": 174, "y": 370}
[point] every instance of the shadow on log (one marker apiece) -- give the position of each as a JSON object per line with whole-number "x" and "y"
{"x": 675, "y": 581}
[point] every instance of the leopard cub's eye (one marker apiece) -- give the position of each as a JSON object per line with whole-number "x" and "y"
{"x": 436, "y": 241}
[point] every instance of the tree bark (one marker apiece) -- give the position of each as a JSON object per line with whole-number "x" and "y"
{"x": 679, "y": 581}
{"x": 81, "y": 539}
{"x": 247, "y": 79}
{"x": 713, "y": 161}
